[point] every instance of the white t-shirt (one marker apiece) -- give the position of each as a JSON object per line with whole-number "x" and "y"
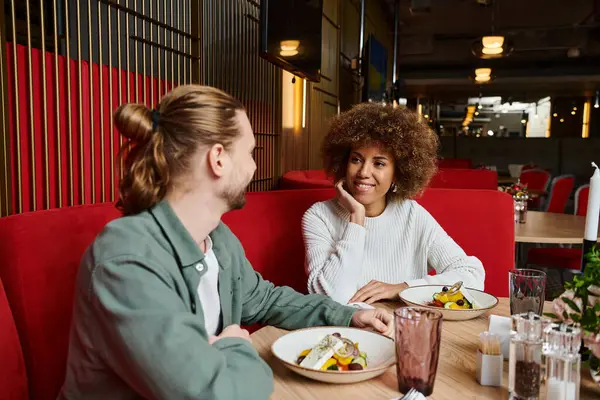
{"x": 208, "y": 291}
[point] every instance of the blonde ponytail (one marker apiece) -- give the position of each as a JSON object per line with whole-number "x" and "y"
{"x": 163, "y": 141}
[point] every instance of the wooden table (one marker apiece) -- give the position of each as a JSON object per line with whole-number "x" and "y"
{"x": 543, "y": 227}
{"x": 455, "y": 375}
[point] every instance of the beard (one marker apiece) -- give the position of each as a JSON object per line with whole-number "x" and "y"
{"x": 235, "y": 196}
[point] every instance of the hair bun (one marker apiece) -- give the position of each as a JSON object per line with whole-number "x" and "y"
{"x": 134, "y": 121}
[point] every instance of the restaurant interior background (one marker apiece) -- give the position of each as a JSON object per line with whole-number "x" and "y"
{"x": 539, "y": 105}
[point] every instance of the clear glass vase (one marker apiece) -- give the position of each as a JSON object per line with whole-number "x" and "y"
{"x": 520, "y": 209}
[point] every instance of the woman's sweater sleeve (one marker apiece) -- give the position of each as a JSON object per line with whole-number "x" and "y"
{"x": 332, "y": 263}
{"x": 446, "y": 257}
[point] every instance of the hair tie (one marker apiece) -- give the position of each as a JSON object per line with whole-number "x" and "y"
{"x": 155, "y": 119}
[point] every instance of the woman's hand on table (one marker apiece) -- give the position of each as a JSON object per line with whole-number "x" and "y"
{"x": 379, "y": 319}
{"x": 376, "y": 291}
{"x": 232, "y": 331}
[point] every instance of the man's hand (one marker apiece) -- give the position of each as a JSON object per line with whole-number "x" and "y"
{"x": 379, "y": 319}
{"x": 375, "y": 291}
{"x": 232, "y": 331}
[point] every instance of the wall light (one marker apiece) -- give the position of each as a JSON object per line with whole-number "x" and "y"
{"x": 289, "y": 48}
{"x": 288, "y": 53}
{"x": 597, "y": 103}
{"x": 304, "y": 104}
{"x": 585, "y": 123}
{"x": 289, "y": 44}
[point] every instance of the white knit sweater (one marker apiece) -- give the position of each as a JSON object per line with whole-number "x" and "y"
{"x": 397, "y": 246}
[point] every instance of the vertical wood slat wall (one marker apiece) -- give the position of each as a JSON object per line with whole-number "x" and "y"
{"x": 324, "y": 100}
{"x": 231, "y": 62}
{"x": 66, "y": 65}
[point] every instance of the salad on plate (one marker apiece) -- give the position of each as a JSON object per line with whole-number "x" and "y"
{"x": 453, "y": 298}
{"x": 333, "y": 353}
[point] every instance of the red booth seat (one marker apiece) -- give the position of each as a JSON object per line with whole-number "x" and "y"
{"x": 453, "y": 178}
{"x": 40, "y": 253}
{"x": 13, "y": 378}
{"x": 310, "y": 179}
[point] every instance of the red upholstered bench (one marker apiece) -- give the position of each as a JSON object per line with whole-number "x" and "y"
{"x": 39, "y": 257}
{"x": 456, "y": 178}
{"x": 310, "y": 179}
{"x": 269, "y": 227}
{"x": 40, "y": 254}
{"x": 482, "y": 223}
{"x": 13, "y": 377}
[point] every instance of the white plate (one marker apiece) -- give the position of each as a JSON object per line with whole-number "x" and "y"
{"x": 419, "y": 296}
{"x": 380, "y": 349}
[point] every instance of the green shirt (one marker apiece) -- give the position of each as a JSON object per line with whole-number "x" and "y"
{"x": 138, "y": 328}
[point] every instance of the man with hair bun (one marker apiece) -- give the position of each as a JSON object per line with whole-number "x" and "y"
{"x": 162, "y": 291}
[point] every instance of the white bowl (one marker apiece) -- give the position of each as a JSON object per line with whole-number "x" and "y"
{"x": 419, "y": 296}
{"x": 380, "y": 349}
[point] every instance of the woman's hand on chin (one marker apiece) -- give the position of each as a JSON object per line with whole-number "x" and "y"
{"x": 356, "y": 210}
{"x": 376, "y": 291}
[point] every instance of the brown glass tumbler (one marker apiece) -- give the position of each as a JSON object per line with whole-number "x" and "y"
{"x": 418, "y": 337}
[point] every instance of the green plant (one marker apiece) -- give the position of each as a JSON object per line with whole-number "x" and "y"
{"x": 580, "y": 303}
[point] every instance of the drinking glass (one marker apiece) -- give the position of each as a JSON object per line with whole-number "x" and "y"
{"x": 527, "y": 291}
{"x": 418, "y": 336}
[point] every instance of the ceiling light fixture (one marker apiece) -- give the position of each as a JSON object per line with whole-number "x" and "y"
{"x": 492, "y": 42}
{"x": 492, "y": 52}
{"x": 482, "y": 78}
{"x": 482, "y": 51}
{"x": 483, "y": 71}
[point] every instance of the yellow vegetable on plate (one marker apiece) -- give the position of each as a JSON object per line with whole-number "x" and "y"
{"x": 328, "y": 364}
{"x": 455, "y": 297}
{"x": 343, "y": 360}
{"x": 305, "y": 353}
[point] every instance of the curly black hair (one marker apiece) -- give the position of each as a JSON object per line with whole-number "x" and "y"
{"x": 400, "y": 131}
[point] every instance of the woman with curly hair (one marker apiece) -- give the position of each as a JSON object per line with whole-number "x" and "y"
{"x": 372, "y": 241}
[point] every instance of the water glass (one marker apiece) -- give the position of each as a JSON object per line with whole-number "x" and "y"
{"x": 527, "y": 291}
{"x": 418, "y": 337}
